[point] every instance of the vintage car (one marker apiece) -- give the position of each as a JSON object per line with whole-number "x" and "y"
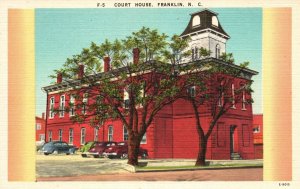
{"x": 57, "y": 147}
{"x": 97, "y": 149}
{"x": 121, "y": 151}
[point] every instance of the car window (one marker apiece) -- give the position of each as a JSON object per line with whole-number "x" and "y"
{"x": 121, "y": 144}
{"x": 57, "y": 144}
{"x": 99, "y": 144}
{"x": 48, "y": 144}
{"x": 64, "y": 144}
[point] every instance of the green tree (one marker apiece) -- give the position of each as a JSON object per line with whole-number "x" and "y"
{"x": 209, "y": 90}
{"x": 142, "y": 80}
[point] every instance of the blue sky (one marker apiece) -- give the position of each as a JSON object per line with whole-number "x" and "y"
{"x": 61, "y": 33}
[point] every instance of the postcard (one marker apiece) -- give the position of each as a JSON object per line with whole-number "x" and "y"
{"x": 149, "y": 94}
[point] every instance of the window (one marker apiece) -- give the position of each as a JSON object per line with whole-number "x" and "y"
{"x": 125, "y": 133}
{"x": 82, "y": 136}
{"x": 233, "y": 96}
{"x": 38, "y": 126}
{"x": 84, "y": 103}
{"x": 144, "y": 139}
{"x": 110, "y": 133}
{"x": 42, "y": 137}
{"x": 72, "y": 105}
{"x": 62, "y": 106}
{"x": 195, "y": 53}
{"x": 51, "y": 108}
{"x": 96, "y": 134}
{"x": 214, "y": 21}
{"x": 126, "y": 100}
{"x": 191, "y": 91}
{"x": 243, "y": 101}
{"x": 60, "y": 132}
{"x": 71, "y": 137}
{"x": 217, "y": 51}
{"x": 196, "y": 21}
{"x": 256, "y": 129}
{"x": 50, "y": 136}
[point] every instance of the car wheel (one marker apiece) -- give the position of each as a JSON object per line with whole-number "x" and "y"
{"x": 144, "y": 156}
{"x": 83, "y": 155}
{"x": 96, "y": 156}
{"x": 124, "y": 156}
{"x": 46, "y": 154}
{"x": 67, "y": 153}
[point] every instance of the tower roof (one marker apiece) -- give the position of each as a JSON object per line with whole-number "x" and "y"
{"x": 206, "y": 17}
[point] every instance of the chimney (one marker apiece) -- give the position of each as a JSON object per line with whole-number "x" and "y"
{"x": 59, "y": 78}
{"x": 106, "y": 64}
{"x": 80, "y": 71}
{"x": 43, "y": 115}
{"x": 136, "y": 55}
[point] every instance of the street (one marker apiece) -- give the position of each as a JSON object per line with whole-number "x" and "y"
{"x": 76, "y": 168}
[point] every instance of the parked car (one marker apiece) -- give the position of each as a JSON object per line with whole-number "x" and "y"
{"x": 121, "y": 151}
{"x": 98, "y": 149}
{"x": 58, "y": 147}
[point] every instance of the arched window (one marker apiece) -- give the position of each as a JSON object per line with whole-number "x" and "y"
{"x": 217, "y": 51}
{"x": 214, "y": 21}
{"x": 196, "y": 21}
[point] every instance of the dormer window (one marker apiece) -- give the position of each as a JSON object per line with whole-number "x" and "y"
{"x": 196, "y": 21}
{"x": 214, "y": 21}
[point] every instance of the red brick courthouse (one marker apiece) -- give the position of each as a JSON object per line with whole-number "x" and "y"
{"x": 173, "y": 132}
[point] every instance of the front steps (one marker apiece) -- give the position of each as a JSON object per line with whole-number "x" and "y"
{"x": 235, "y": 156}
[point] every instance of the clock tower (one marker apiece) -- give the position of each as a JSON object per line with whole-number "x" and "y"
{"x": 205, "y": 31}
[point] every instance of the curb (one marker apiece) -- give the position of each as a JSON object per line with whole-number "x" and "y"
{"x": 196, "y": 169}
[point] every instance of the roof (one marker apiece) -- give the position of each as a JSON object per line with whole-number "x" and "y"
{"x": 247, "y": 74}
{"x": 206, "y": 24}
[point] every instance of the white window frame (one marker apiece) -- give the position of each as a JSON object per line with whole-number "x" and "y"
{"x": 38, "y": 126}
{"x": 258, "y": 129}
{"x": 72, "y": 105}
{"x": 50, "y": 136}
{"x": 192, "y": 91}
{"x": 110, "y": 133}
{"x": 60, "y": 134}
{"x": 126, "y": 99}
{"x": 62, "y": 103}
{"x": 125, "y": 133}
{"x": 42, "y": 137}
{"x": 51, "y": 108}
{"x": 96, "y": 132}
{"x": 71, "y": 136}
{"x": 233, "y": 96}
{"x": 144, "y": 139}
{"x": 84, "y": 103}
{"x": 82, "y": 135}
{"x": 244, "y": 101}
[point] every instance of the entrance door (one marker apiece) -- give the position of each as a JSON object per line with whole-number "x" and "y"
{"x": 233, "y": 139}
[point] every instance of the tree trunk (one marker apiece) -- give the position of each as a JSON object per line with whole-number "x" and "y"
{"x": 202, "y": 152}
{"x": 133, "y": 150}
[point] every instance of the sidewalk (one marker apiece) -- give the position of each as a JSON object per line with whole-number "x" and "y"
{"x": 151, "y": 165}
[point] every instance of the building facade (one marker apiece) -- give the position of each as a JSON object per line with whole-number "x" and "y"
{"x": 172, "y": 133}
{"x": 258, "y": 135}
{"x": 40, "y": 124}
